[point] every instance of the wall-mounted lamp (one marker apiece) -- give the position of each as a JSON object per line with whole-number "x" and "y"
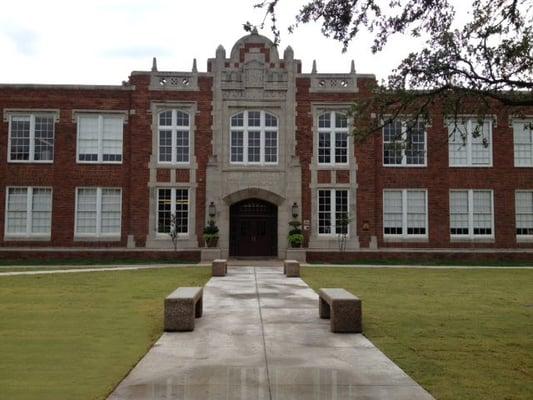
{"x": 212, "y": 210}
{"x": 294, "y": 210}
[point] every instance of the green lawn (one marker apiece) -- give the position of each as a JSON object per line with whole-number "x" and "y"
{"x": 462, "y": 334}
{"x": 75, "y": 336}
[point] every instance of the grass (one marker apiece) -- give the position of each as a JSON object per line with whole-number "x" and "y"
{"x": 86, "y": 262}
{"x": 462, "y": 334}
{"x": 75, "y": 336}
{"x": 61, "y": 267}
{"x": 435, "y": 262}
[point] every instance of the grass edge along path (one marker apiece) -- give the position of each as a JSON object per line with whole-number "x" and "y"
{"x": 76, "y": 336}
{"x": 461, "y": 334}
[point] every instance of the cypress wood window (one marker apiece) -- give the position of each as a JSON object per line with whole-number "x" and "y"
{"x": 405, "y": 213}
{"x": 28, "y": 211}
{"x": 174, "y": 137}
{"x": 471, "y": 213}
{"x": 332, "y": 138}
{"x": 100, "y": 138}
{"x": 470, "y": 143}
{"x": 173, "y": 201}
{"x": 254, "y": 138}
{"x": 98, "y": 212}
{"x": 332, "y": 209}
{"x": 31, "y": 138}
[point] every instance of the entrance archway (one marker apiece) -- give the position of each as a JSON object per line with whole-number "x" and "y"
{"x": 253, "y": 229}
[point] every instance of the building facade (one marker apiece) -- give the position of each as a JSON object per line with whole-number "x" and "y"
{"x": 254, "y": 141}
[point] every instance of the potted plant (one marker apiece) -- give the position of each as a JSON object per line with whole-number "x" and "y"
{"x": 296, "y": 238}
{"x": 211, "y": 234}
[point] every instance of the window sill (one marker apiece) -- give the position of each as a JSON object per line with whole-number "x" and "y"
{"x": 166, "y": 237}
{"x": 30, "y": 162}
{"x": 405, "y": 166}
{"x": 172, "y": 165}
{"x": 26, "y": 238}
{"x": 332, "y": 166}
{"x": 97, "y": 238}
{"x": 99, "y": 162}
{"x": 524, "y": 239}
{"x": 472, "y": 239}
{"x": 405, "y": 239}
{"x": 470, "y": 166}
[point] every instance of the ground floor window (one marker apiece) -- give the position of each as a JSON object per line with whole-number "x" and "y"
{"x": 29, "y": 211}
{"x": 524, "y": 212}
{"x": 405, "y": 213}
{"x": 471, "y": 213}
{"x": 332, "y": 211}
{"x": 173, "y": 208}
{"x": 98, "y": 212}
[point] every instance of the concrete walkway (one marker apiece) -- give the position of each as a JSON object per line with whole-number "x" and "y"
{"x": 260, "y": 338}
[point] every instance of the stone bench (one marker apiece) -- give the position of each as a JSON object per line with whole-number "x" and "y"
{"x": 219, "y": 267}
{"x": 182, "y": 306}
{"x": 343, "y": 308}
{"x": 291, "y": 268}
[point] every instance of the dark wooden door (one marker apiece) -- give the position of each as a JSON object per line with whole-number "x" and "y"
{"x": 253, "y": 229}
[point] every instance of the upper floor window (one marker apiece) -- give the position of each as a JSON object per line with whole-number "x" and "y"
{"x": 471, "y": 213}
{"x": 405, "y": 213}
{"x": 100, "y": 138}
{"x": 31, "y": 138}
{"x": 470, "y": 143}
{"x": 523, "y": 143}
{"x": 98, "y": 212}
{"x": 174, "y": 137}
{"x": 254, "y": 138}
{"x": 173, "y": 210}
{"x": 332, "y": 211}
{"x": 28, "y": 211}
{"x": 332, "y": 138}
{"x": 404, "y": 143}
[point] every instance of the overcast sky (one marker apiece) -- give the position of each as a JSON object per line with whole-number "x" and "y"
{"x": 102, "y": 41}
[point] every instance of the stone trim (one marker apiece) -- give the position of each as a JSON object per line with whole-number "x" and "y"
{"x": 124, "y": 113}
{"x": 7, "y": 112}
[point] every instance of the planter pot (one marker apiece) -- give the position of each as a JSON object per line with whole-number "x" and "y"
{"x": 211, "y": 242}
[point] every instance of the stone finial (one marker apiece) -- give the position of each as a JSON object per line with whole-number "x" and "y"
{"x": 154, "y": 64}
{"x": 288, "y": 54}
{"x": 194, "y": 67}
{"x": 352, "y": 68}
{"x": 313, "y": 70}
{"x": 254, "y": 31}
{"x": 221, "y": 52}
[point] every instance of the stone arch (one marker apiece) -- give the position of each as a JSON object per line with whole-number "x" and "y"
{"x": 254, "y": 39}
{"x": 257, "y": 193}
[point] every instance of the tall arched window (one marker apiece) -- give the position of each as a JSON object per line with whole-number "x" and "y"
{"x": 254, "y": 138}
{"x": 174, "y": 133}
{"x": 332, "y": 138}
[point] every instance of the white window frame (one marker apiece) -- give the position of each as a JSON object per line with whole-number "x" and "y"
{"x": 32, "y": 116}
{"x": 100, "y": 154}
{"x": 165, "y": 235}
{"x": 403, "y": 139}
{"x": 29, "y": 213}
{"x": 173, "y": 129}
{"x": 262, "y": 128}
{"x": 332, "y": 130}
{"x": 467, "y": 122}
{"x": 98, "y": 233}
{"x": 404, "y": 234}
{"x": 471, "y": 234}
{"x": 520, "y": 236}
{"x": 522, "y": 123}
{"x": 333, "y": 219}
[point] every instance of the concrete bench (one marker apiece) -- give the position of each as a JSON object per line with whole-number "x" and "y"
{"x": 291, "y": 268}
{"x": 182, "y": 306}
{"x": 219, "y": 267}
{"x": 343, "y": 308}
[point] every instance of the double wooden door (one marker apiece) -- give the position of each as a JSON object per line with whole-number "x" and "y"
{"x": 253, "y": 229}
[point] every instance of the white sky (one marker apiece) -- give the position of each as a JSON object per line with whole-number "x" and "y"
{"x": 102, "y": 41}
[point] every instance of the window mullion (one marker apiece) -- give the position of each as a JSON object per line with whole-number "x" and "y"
{"x": 262, "y": 138}
{"x": 173, "y": 206}
{"x": 29, "y": 211}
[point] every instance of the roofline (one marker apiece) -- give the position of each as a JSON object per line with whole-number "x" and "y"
{"x": 61, "y": 86}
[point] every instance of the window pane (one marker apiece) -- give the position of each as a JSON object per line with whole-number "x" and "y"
{"x": 415, "y": 146}
{"x": 270, "y": 120}
{"x": 324, "y": 120}
{"x": 44, "y": 138}
{"x": 341, "y": 211}
{"x": 392, "y": 143}
{"x": 324, "y": 147}
{"x": 182, "y": 210}
{"x": 481, "y": 149}
{"x": 182, "y": 119}
{"x": 457, "y": 144}
{"x": 482, "y": 210}
{"x": 41, "y": 211}
{"x": 86, "y": 211}
{"x": 182, "y": 146}
{"x": 416, "y": 212}
{"x": 524, "y": 213}
{"x": 237, "y": 146}
{"x": 341, "y": 147}
{"x": 165, "y": 118}
{"x": 164, "y": 209}
{"x": 88, "y": 138}
{"x": 17, "y": 210}
{"x": 254, "y": 118}
{"x": 165, "y": 146}
{"x": 111, "y": 211}
{"x": 254, "y": 146}
{"x": 112, "y": 138}
{"x": 237, "y": 120}
{"x": 324, "y": 212}
{"x": 392, "y": 212}
{"x": 271, "y": 146}
{"x": 20, "y": 138}
{"x": 341, "y": 121}
{"x": 459, "y": 211}
{"x": 523, "y": 146}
